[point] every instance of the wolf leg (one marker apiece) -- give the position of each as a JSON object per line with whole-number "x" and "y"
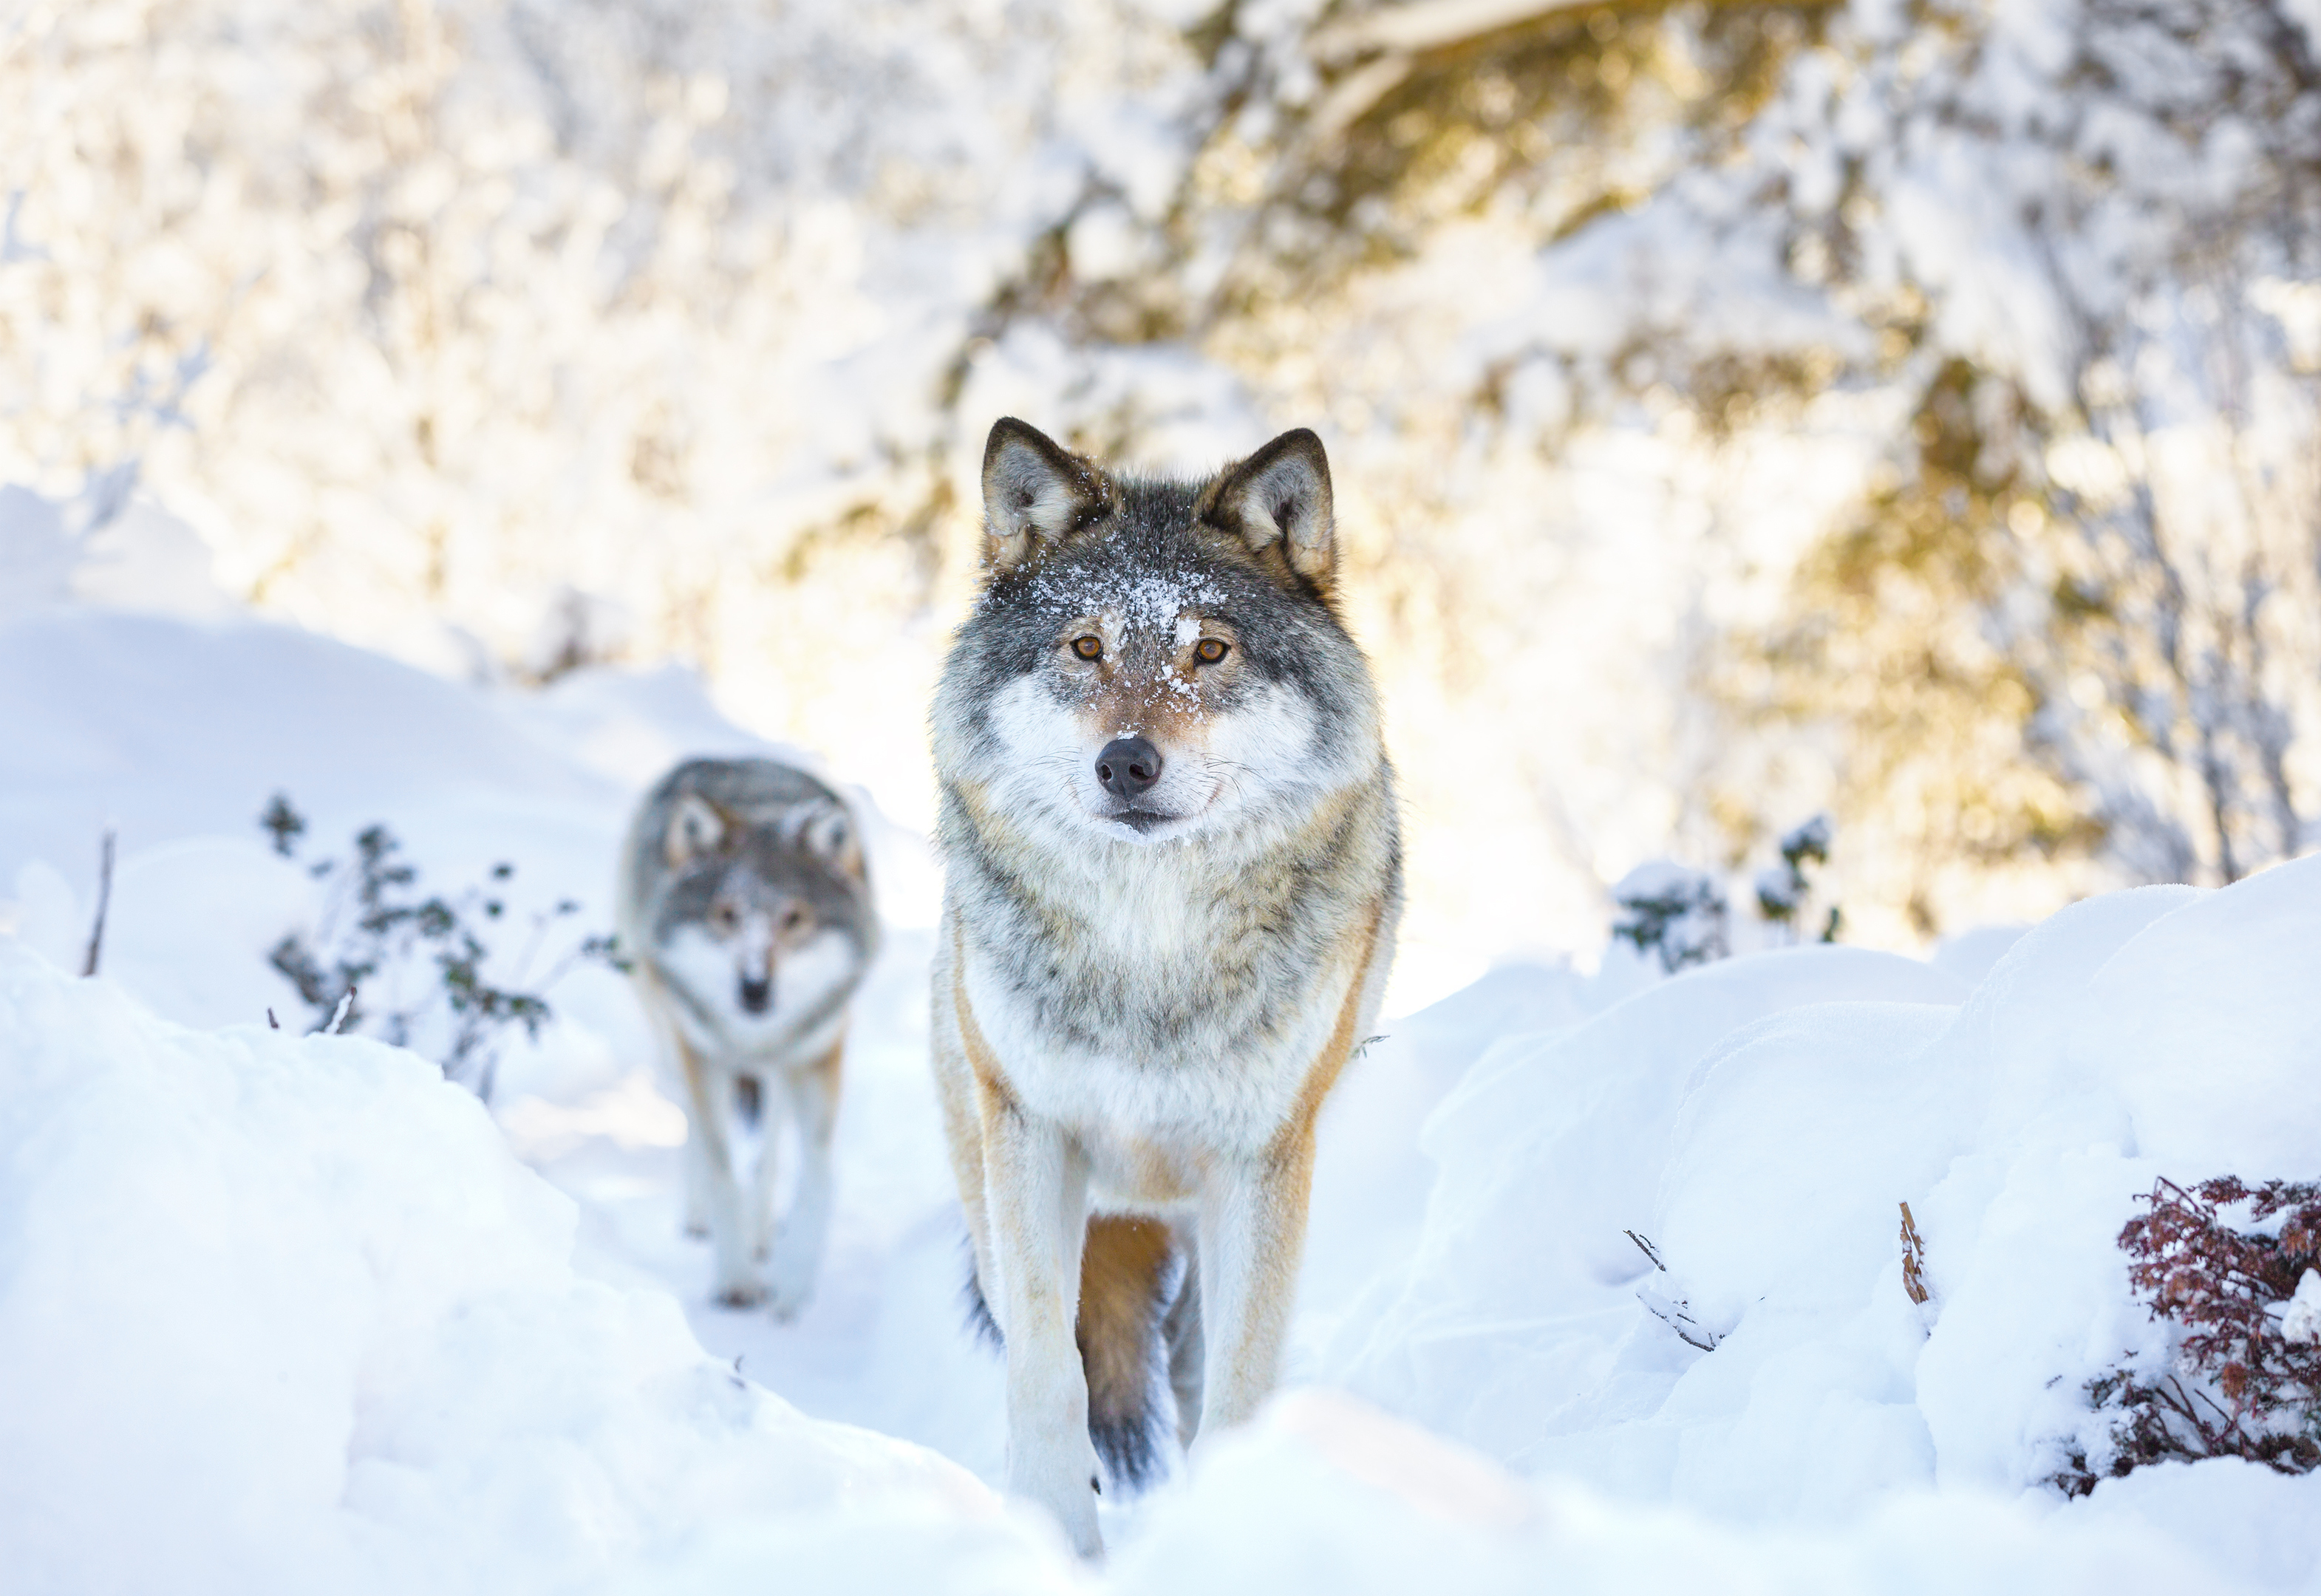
{"x": 697, "y": 1181}
{"x": 711, "y": 1100}
{"x": 774, "y": 1107}
{"x": 797, "y": 1245}
{"x": 1127, "y": 1266}
{"x": 1254, "y": 1219}
{"x": 1038, "y": 1197}
{"x": 1181, "y": 1332}
{"x": 1252, "y": 1228}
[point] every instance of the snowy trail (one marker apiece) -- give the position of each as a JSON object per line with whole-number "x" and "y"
{"x": 883, "y": 1344}
{"x": 491, "y": 1389}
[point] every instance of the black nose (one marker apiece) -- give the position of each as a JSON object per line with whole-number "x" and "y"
{"x": 1128, "y": 766}
{"x": 756, "y": 995}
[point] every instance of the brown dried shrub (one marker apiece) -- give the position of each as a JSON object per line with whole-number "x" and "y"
{"x": 2239, "y": 1388}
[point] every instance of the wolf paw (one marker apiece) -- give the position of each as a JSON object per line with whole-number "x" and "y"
{"x": 740, "y": 1293}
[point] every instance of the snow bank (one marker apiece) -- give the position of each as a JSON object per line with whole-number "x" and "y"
{"x": 1760, "y": 1121}
{"x": 1326, "y": 1495}
{"x": 283, "y": 1313}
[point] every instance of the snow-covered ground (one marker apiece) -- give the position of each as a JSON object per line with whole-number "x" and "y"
{"x": 282, "y": 1312}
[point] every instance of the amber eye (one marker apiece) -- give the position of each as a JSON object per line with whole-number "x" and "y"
{"x": 1210, "y": 649}
{"x": 724, "y": 916}
{"x": 1087, "y": 648}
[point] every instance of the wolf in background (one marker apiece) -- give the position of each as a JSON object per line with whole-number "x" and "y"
{"x": 744, "y": 903}
{"x": 1172, "y": 880}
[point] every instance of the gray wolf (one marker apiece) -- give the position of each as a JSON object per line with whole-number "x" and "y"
{"x": 1172, "y": 876}
{"x": 744, "y": 905}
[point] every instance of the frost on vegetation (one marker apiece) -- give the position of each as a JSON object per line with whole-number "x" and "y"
{"x": 1684, "y": 915}
{"x": 1782, "y": 891}
{"x": 415, "y": 969}
{"x": 2231, "y": 1270}
{"x": 1674, "y": 911}
{"x": 1999, "y": 316}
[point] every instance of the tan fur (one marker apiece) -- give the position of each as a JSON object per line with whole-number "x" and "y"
{"x": 974, "y": 1107}
{"x": 1125, "y": 1264}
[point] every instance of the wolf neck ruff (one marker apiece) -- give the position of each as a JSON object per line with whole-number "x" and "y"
{"x": 1172, "y": 879}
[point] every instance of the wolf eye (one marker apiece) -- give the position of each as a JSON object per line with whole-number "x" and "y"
{"x": 1087, "y": 648}
{"x": 724, "y": 916}
{"x": 1210, "y": 649}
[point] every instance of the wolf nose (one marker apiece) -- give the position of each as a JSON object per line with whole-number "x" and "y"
{"x": 1128, "y": 766}
{"x": 756, "y": 995}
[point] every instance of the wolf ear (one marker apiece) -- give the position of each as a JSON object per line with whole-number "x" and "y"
{"x": 828, "y": 835}
{"x": 694, "y": 828}
{"x": 1034, "y": 491}
{"x": 1282, "y": 494}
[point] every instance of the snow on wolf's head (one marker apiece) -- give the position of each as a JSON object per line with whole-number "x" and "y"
{"x": 1152, "y": 661}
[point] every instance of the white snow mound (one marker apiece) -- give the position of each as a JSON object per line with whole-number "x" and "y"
{"x": 283, "y": 1313}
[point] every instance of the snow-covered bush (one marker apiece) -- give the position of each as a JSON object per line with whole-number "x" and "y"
{"x": 2246, "y": 1379}
{"x": 1684, "y": 913}
{"x": 376, "y": 927}
{"x": 1673, "y": 910}
{"x": 1782, "y": 889}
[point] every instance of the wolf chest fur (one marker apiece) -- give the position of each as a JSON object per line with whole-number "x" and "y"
{"x": 1172, "y": 876}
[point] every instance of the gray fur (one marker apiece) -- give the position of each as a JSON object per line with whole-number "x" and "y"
{"x": 1289, "y": 907}
{"x": 768, "y": 858}
{"x": 744, "y": 902}
{"x": 1159, "y": 979}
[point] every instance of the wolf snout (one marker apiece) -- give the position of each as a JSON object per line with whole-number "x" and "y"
{"x": 1128, "y": 767}
{"x": 756, "y": 994}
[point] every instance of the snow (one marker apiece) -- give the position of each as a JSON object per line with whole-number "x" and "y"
{"x": 291, "y": 1312}
{"x": 285, "y": 1315}
{"x": 2300, "y": 1322}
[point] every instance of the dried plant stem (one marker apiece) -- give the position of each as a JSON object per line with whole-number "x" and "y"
{"x": 104, "y": 901}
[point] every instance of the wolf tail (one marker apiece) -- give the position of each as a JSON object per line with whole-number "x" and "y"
{"x": 1140, "y": 1340}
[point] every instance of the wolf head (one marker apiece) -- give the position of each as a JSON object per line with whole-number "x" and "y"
{"x": 760, "y": 916}
{"x": 1153, "y": 660}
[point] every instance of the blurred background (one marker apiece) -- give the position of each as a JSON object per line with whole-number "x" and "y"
{"x": 1739, "y": 412}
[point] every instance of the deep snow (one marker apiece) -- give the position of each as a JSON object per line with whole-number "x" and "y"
{"x": 282, "y": 1312}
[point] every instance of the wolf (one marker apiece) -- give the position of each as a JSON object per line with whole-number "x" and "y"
{"x": 744, "y": 904}
{"x": 1172, "y": 879}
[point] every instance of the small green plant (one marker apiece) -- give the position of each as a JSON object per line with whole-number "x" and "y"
{"x": 376, "y": 929}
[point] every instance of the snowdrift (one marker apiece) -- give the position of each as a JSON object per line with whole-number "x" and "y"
{"x": 1760, "y": 1121}
{"x": 282, "y": 1312}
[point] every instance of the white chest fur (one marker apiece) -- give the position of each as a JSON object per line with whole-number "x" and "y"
{"x": 1144, "y": 1114}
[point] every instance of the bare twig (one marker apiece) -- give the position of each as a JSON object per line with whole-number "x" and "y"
{"x": 104, "y": 900}
{"x": 339, "y": 1014}
{"x": 1914, "y": 1260}
{"x": 1670, "y": 1311}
